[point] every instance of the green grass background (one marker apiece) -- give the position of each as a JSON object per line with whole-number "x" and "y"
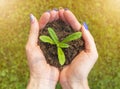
{"x": 102, "y": 17}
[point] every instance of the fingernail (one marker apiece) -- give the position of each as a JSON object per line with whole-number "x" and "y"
{"x": 85, "y": 25}
{"x": 66, "y": 9}
{"x": 60, "y": 8}
{"x": 55, "y": 9}
{"x": 48, "y": 11}
{"x": 32, "y": 18}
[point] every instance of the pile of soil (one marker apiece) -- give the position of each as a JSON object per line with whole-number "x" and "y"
{"x": 50, "y": 51}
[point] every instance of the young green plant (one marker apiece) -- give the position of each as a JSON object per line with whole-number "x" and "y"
{"x": 53, "y": 40}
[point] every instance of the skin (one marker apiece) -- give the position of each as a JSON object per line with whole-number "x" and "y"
{"x": 42, "y": 75}
{"x": 73, "y": 76}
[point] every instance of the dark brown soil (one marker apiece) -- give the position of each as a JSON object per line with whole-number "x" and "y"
{"x": 50, "y": 52}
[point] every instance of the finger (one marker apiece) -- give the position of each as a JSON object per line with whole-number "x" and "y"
{"x": 44, "y": 19}
{"x": 34, "y": 31}
{"x": 71, "y": 19}
{"x": 54, "y": 15}
{"x": 61, "y": 15}
{"x": 89, "y": 41}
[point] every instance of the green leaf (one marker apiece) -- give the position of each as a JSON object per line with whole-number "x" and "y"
{"x": 46, "y": 39}
{"x": 61, "y": 56}
{"x": 71, "y": 37}
{"x": 58, "y": 86}
{"x": 63, "y": 45}
{"x": 53, "y": 35}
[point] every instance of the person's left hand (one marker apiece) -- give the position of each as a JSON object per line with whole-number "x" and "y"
{"x": 42, "y": 75}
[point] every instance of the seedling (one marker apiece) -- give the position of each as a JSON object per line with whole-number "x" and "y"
{"x": 53, "y": 40}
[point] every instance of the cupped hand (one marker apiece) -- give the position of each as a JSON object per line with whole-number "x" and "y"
{"x": 74, "y": 76}
{"x": 42, "y": 75}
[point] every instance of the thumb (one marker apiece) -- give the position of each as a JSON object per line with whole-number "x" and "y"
{"x": 34, "y": 31}
{"x": 89, "y": 41}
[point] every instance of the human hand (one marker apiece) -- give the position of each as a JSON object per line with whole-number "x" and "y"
{"x": 74, "y": 76}
{"x": 42, "y": 75}
{"x": 68, "y": 78}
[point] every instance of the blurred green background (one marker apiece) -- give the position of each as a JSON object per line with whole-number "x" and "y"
{"x": 102, "y": 17}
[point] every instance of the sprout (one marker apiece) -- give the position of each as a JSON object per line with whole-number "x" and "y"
{"x": 53, "y": 40}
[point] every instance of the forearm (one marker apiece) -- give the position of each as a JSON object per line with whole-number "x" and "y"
{"x": 40, "y": 84}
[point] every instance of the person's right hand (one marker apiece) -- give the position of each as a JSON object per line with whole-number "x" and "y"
{"x": 74, "y": 76}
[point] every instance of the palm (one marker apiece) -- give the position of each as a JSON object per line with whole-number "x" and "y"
{"x": 79, "y": 68}
{"x": 39, "y": 66}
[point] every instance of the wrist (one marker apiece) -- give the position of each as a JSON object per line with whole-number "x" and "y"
{"x": 80, "y": 84}
{"x": 41, "y": 84}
